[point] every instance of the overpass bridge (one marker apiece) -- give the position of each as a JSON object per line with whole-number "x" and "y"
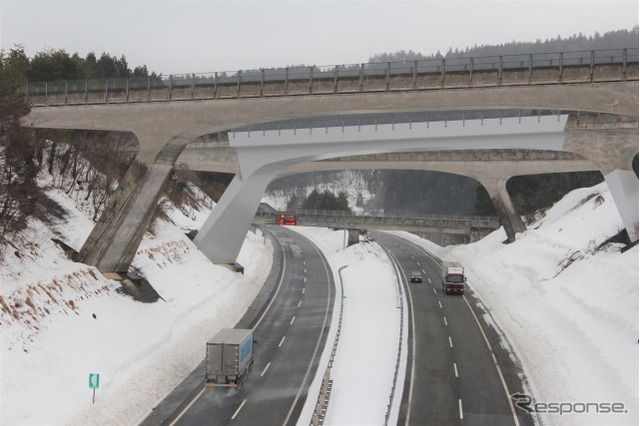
{"x": 259, "y": 125}
{"x": 441, "y": 229}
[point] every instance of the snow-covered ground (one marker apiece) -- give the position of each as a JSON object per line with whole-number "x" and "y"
{"x": 569, "y": 310}
{"x": 63, "y": 320}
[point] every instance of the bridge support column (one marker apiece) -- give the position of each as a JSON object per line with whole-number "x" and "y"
{"x": 222, "y": 235}
{"x": 114, "y": 240}
{"x": 354, "y": 237}
{"x": 509, "y": 218}
{"x": 623, "y": 186}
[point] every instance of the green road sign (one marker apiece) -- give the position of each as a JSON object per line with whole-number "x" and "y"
{"x": 94, "y": 381}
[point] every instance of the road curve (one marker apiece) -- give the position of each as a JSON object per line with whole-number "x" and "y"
{"x": 290, "y": 327}
{"x": 458, "y": 372}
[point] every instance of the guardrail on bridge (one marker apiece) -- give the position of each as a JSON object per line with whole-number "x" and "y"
{"x": 533, "y": 68}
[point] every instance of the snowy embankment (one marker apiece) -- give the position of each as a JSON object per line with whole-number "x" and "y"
{"x": 63, "y": 320}
{"x": 567, "y": 305}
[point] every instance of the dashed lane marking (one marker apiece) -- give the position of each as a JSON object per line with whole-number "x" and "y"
{"x": 238, "y": 410}
{"x": 269, "y": 365}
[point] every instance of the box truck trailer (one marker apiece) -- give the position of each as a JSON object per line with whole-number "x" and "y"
{"x": 229, "y": 357}
{"x": 453, "y": 278}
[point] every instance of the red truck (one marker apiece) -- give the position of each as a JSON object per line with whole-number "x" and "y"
{"x": 287, "y": 219}
{"x": 453, "y": 278}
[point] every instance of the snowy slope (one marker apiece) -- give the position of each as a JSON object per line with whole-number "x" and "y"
{"x": 62, "y": 320}
{"x": 569, "y": 309}
{"x": 350, "y": 182}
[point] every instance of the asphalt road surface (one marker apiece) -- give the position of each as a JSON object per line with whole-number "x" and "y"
{"x": 457, "y": 372}
{"x": 290, "y": 321}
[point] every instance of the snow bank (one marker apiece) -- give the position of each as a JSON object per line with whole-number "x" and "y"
{"x": 568, "y": 307}
{"x": 62, "y": 320}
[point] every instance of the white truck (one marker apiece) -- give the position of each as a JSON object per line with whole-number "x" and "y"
{"x": 453, "y": 278}
{"x": 229, "y": 357}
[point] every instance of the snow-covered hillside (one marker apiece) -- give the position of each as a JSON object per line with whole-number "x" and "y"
{"x": 568, "y": 307}
{"x": 63, "y": 320}
{"x": 567, "y": 304}
{"x": 351, "y": 182}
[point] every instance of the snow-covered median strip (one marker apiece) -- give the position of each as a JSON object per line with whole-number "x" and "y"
{"x": 367, "y": 353}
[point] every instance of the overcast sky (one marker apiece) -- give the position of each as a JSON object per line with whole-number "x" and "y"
{"x": 173, "y": 37}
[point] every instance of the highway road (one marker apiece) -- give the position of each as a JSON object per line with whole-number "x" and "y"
{"x": 457, "y": 372}
{"x": 290, "y": 321}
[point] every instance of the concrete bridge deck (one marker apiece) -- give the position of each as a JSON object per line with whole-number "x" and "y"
{"x": 171, "y": 115}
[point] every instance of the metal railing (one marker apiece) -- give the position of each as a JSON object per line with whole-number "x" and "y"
{"x": 325, "y": 388}
{"x": 396, "y": 372}
{"x": 342, "y": 217}
{"x": 209, "y": 85}
{"x": 430, "y": 217}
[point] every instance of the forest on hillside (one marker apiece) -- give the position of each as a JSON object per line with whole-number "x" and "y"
{"x": 578, "y": 42}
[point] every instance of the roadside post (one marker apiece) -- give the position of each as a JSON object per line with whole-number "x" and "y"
{"x": 94, "y": 383}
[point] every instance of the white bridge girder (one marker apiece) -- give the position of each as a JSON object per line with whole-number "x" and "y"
{"x": 264, "y": 154}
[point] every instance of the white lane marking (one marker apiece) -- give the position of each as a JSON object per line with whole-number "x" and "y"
{"x": 238, "y": 410}
{"x": 269, "y": 365}
{"x": 315, "y": 350}
{"x": 504, "y": 384}
{"x": 303, "y": 290}
{"x": 440, "y": 304}
{"x": 460, "y": 408}
{"x": 450, "y": 342}
{"x": 445, "y": 320}
{"x": 428, "y": 279}
{"x": 299, "y": 303}
{"x": 284, "y": 267}
{"x": 434, "y": 291}
{"x": 424, "y": 272}
{"x": 187, "y": 407}
{"x": 455, "y": 369}
{"x": 399, "y": 271}
{"x": 418, "y": 263}
{"x": 292, "y": 320}
{"x": 282, "y": 341}
{"x": 305, "y": 279}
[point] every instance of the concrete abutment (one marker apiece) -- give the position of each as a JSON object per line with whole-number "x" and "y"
{"x": 115, "y": 239}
